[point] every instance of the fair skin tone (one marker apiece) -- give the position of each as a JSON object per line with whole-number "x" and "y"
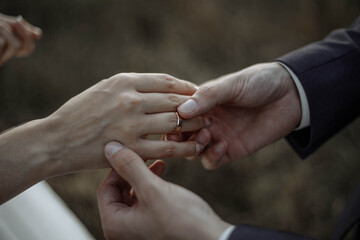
{"x": 159, "y": 210}
{"x": 126, "y": 107}
{"x": 17, "y": 37}
{"x": 249, "y": 109}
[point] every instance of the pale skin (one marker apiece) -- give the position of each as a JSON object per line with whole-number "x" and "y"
{"x": 17, "y": 37}
{"x": 160, "y": 210}
{"x": 249, "y": 110}
{"x": 126, "y": 107}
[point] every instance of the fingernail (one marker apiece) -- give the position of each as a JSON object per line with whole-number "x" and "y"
{"x": 220, "y": 147}
{"x": 199, "y": 148}
{"x": 112, "y": 148}
{"x": 208, "y": 122}
{"x": 37, "y": 31}
{"x": 197, "y": 88}
{"x": 19, "y": 18}
{"x": 188, "y": 106}
{"x": 207, "y": 164}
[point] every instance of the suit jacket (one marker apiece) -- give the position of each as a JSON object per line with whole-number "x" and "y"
{"x": 329, "y": 72}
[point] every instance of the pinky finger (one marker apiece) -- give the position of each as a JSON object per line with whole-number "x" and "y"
{"x": 215, "y": 156}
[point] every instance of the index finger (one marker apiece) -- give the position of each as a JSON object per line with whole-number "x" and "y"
{"x": 163, "y": 83}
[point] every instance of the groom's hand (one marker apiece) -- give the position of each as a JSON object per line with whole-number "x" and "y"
{"x": 160, "y": 210}
{"x": 249, "y": 110}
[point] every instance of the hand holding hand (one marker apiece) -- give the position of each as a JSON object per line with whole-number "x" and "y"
{"x": 17, "y": 37}
{"x": 249, "y": 110}
{"x": 160, "y": 210}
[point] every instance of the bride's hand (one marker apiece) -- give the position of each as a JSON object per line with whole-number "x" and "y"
{"x": 126, "y": 108}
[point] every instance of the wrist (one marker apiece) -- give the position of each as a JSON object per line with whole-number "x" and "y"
{"x": 214, "y": 231}
{"x": 295, "y": 112}
{"x": 25, "y": 157}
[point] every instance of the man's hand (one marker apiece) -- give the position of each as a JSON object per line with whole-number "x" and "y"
{"x": 17, "y": 37}
{"x": 159, "y": 210}
{"x": 249, "y": 110}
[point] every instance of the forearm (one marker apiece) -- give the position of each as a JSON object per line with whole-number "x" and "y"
{"x": 25, "y": 157}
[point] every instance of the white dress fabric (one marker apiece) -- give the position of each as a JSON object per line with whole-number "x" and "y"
{"x": 39, "y": 214}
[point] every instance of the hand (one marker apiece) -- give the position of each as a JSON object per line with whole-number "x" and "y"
{"x": 249, "y": 110}
{"x": 160, "y": 210}
{"x": 17, "y": 37}
{"x": 126, "y": 108}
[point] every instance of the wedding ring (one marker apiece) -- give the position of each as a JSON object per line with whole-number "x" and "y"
{"x": 179, "y": 122}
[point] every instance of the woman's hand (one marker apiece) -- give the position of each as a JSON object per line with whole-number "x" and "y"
{"x": 17, "y": 37}
{"x": 160, "y": 210}
{"x": 249, "y": 110}
{"x": 126, "y": 107}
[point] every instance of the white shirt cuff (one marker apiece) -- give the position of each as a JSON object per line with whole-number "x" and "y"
{"x": 305, "y": 112}
{"x": 226, "y": 234}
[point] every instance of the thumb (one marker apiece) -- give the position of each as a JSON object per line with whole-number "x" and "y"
{"x": 205, "y": 98}
{"x": 128, "y": 165}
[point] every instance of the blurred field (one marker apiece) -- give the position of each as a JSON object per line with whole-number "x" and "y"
{"x": 86, "y": 41}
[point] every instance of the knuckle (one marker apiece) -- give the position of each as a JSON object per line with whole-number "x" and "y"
{"x": 173, "y": 118}
{"x": 173, "y": 99}
{"x": 122, "y": 78}
{"x": 208, "y": 91}
{"x": 131, "y": 100}
{"x": 169, "y": 81}
{"x": 168, "y": 151}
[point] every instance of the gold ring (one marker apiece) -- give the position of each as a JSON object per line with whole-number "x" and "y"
{"x": 179, "y": 122}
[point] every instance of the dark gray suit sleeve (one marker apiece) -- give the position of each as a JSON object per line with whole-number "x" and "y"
{"x": 329, "y": 72}
{"x": 246, "y": 232}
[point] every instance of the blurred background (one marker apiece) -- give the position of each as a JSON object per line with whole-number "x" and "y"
{"x": 88, "y": 40}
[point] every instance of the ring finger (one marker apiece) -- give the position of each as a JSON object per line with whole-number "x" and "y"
{"x": 166, "y": 123}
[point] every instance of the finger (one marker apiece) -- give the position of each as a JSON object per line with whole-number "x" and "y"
{"x": 34, "y": 32}
{"x": 152, "y": 149}
{"x": 13, "y": 44}
{"x": 162, "y": 102}
{"x": 26, "y": 38}
{"x": 213, "y": 154}
{"x": 163, "y": 83}
{"x": 109, "y": 193}
{"x": 166, "y": 123}
{"x": 129, "y": 166}
{"x": 176, "y": 137}
{"x": 2, "y": 44}
{"x": 158, "y": 167}
{"x": 206, "y": 97}
{"x": 202, "y": 137}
